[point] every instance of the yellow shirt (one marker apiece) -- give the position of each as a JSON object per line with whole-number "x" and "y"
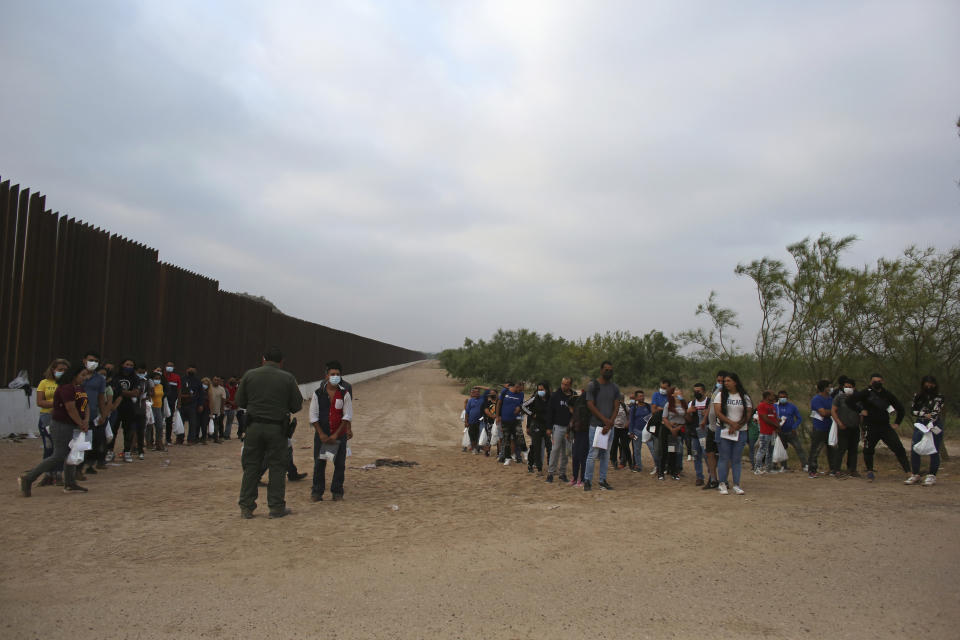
{"x": 48, "y": 388}
{"x": 157, "y": 399}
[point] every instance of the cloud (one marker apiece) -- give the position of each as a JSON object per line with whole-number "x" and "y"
{"x": 427, "y": 171}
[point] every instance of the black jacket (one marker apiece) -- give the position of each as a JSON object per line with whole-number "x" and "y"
{"x": 876, "y": 404}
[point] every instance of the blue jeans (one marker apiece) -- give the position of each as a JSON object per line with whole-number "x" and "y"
{"x": 653, "y": 444}
{"x": 934, "y": 459}
{"x": 697, "y": 453}
{"x": 679, "y": 453}
{"x": 596, "y": 454}
{"x": 731, "y": 456}
{"x": 637, "y": 451}
{"x": 764, "y": 454}
{"x": 44, "y": 428}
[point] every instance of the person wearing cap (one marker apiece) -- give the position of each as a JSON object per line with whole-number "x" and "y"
{"x": 269, "y": 395}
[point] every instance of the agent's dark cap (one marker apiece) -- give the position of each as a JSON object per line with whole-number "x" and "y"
{"x": 273, "y": 354}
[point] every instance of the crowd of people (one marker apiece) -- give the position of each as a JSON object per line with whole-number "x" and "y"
{"x": 98, "y": 403}
{"x": 599, "y": 429}
{"x": 151, "y": 410}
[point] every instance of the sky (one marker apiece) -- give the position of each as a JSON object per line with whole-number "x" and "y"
{"x": 420, "y": 172}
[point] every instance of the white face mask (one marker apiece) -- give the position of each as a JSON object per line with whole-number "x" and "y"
{"x": 169, "y": 369}
{"x": 92, "y": 365}
{"x": 58, "y": 374}
{"x": 848, "y": 390}
{"x": 334, "y": 380}
{"x": 206, "y": 386}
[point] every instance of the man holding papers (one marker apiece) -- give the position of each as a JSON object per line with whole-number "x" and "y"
{"x": 602, "y": 401}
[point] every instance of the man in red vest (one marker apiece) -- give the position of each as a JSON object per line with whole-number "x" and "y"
{"x": 331, "y": 415}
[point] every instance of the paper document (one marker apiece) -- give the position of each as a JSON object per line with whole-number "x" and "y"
{"x": 601, "y": 440}
{"x": 726, "y": 434}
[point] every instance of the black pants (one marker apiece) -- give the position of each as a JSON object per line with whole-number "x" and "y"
{"x": 98, "y": 453}
{"x": 509, "y": 429}
{"x": 847, "y": 442}
{"x": 473, "y": 430}
{"x": 620, "y": 443}
{"x": 218, "y": 426}
{"x": 819, "y": 439}
{"x": 876, "y": 433}
{"x": 668, "y": 459}
{"x": 139, "y": 427}
{"x": 536, "y": 449}
{"x": 128, "y": 425}
{"x": 320, "y": 468}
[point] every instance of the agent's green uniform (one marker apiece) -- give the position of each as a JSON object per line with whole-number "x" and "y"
{"x": 269, "y": 394}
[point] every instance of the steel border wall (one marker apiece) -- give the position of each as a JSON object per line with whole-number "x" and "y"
{"x": 51, "y": 305}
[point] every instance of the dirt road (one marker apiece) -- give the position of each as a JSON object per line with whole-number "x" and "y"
{"x": 473, "y": 549}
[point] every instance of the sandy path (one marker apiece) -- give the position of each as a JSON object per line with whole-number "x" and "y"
{"x": 475, "y": 549}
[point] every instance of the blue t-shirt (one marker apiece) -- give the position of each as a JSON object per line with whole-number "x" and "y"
{"x": 94, "y": 386}
{"x": 659, "y": 399}
{"x": 509, "y": 401}
{"x": 474, "y": 410}
{"x": 821, "y": 402}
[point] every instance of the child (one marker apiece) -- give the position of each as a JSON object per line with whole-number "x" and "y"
{"x": 769, "y": 426}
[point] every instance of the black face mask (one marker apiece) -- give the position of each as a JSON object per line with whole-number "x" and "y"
{"x": 698, "y": 395}
{"x": 876, "y": 386}
{"x": 607, "y": 375}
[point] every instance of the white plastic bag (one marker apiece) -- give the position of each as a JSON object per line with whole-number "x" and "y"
{"x": 926, "y": 446}
{"x": 465, "y": 442}
{"x": 177, "y": 423}
{"x": 463, "y": 415}
{"x": 166, "y": 408}
{"x": 779, "y": 451}
{"x": 497, "y": 434}
{"x": 211, "y": 428}
{"x": 484, "y": 438}
{"x": 108, "y": 432}
{"x": 833, "y": 437}
{"x": 78, "y": 445}
{"x": 645, "y": 435}
{"x": 149, "y": 421}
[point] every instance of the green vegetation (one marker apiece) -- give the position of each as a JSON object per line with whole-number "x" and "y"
{"x": 819, "y": 319}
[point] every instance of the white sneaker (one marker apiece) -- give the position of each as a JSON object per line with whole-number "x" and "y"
{"x": 654, "y": 472}
{"x": 930, "y": 480}
{"x": 912, "y": 480}
{"x": 723, "y": 489}
{"x": 806, "y": 468}
{"x": 109, "y": 457}
{"x": 737, "y": 490}
{"x": 127, "y": 457}
{"x": 689, "y": 457}
{"x": 140, "y": 456}
{"x": 506, "y": 462}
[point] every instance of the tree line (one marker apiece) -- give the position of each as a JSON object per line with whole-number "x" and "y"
{"x": 819, "y": 318}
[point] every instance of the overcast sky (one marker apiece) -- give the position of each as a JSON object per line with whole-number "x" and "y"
{"x": 421, "y": 172}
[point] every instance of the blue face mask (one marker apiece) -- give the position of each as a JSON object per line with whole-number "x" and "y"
{"x": 541, "y": 393}
{"x": 334, "y": 380}
{"x": 782, "y": 401}
{"x": 58, "y": 374}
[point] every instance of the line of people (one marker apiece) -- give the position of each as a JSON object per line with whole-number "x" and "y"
{"x": 150, "y": 410}
{"x": 596, "y": 428}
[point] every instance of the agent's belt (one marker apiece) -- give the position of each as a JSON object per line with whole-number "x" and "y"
{"x": 253, "y": 419}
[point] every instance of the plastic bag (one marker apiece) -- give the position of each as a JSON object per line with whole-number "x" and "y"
{"x": 108, "y": 432}
{"x": 211, "y": 428}
{"x": 463, "y": 415}
{"x": 484, "y": 437}
{"x": 166, "y": 408}
{"x": 149, "y": 421}
{"x": 177, "y": 423}
{"x": 465, "y": 442}
{"x": 779, "y": 451}
{"x": 497, "y": 435}
{"x": 78, "y": 445}
{"x": 833, "y": 436}
{"x": 646, "y": 435}
{"x": 926, "y": 446}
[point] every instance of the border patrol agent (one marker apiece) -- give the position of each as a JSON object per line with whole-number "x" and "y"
{"x": 269, "y": 394}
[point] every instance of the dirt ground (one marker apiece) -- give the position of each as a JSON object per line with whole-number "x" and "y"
{"x": 473, "y": 549}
